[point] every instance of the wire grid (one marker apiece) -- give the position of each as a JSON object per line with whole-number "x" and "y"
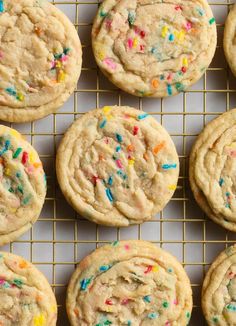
{"x": 60, "y": 238}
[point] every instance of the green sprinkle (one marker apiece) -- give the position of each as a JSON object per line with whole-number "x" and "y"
{"x": 103, "y": 123}
{"x": 215, "y": 319}
{"x": 26, "y": 200}
{"x": 17, "y": 152}
{"x": 18, "y": 283}
{"x": 179, "y": 87}
{"x": 11, "y": 189}
{"x": 20, "y": 189}
{"x": 18, "y": 174}
{"x": 188, "y": 314}
{"x": 221, "y": 182}
{"x": 103, "y": 14}
{"x": 212, "y": 21}
{"x": 107, "y": 322}
{"x": 131, "y": 18}
{"x": 66, "y": 51}
{"x": 129, "y": 323}
{"x": 165, "y": 304}
{"x": 115, "y": 243}
{"x": 6, "y": 285}
{"x": 147, "y": 298}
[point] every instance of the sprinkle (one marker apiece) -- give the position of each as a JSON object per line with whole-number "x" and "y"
{"x": 119, "y": 164}
{"x": 127, "y": 247}
{"x": 20, "y": 189}
{"x": 118, "y": 149}
{"x": 200, "y": 11}
{"x": 20, "y": 97}
{"x": 188, "y": 26}
{"x": 221, "y": 182}
{"x": 175, "y": 302}
{"x": 170, "y": 270}
{"x": 110, "y": 63}
{"x": 122, "y": 174}
{"x": 84, "y": 283}
{"x": 1, "y": 6}
{"x": 125, "y": 301}
{"x": 119, "y": 138}
{"x": 17, "y": 152}
{"x": 130, "y": 43}
{"x": 110, "y": 181}
{"x": 178, "y": 8}
{"x": 148, "y": 269}
{"x": 152, "y": 315}
{"x": 142, "y": 34}
{"x": 102, "y": 13}
{"x": 154, "y": 269}
{"x": 39, "y": 320}
{"x": 106, "y": 109}
{"x": 7, "y": 144}
{"x": 104, "y": 268}
{"x": 155, "y": 83}
{"x": 169, "y": 166}
{"x": 135, "y": 130}
{"x": 142, "y": 47}
{"x": 109, "y": 194}
{"x": 130, "y": 148}
{"x": 24, "y": 158}
{"x": 95, "y": 179}
{"x": 142, "y": 116}
{"x": 165, "y": 304}
{"x": 129, "y": 323}
{"x": 11, "y": 91}
{"x": 131, "y": 161}
{"x": 164, "y": 31}
{"x": 188, "y": 315}
{"x": 135, "y": 42}
{"x": 17, "y": 283}
{"x": 61, "y": 76}
{"x": 131, "y": 17}
{"x": 169, "y": 89}
{"x": 158, "y": 147}
{"x": 147, "y": 298}
{"x": 23, "y": 264}
{"x": 109, "y": 302}
{"x": 184, "y": 70}
{"x": 167, "y": 323}
{"x": 171, "y": 37}
{"x": 11, "y": 190}
{"x": 215, "y": 319}
{"x": 179, "y": 87}
{"x": 103, "y": 123}
{"x": 212, "y": 21}
{"x": 26, "y": 200}
{"x": 180, "y": 35}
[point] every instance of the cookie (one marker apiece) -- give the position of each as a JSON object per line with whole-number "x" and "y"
{"x": 117, "y": 166}
{"x": 40, "y": 59}
{"x": 129, "y": 283}
{"x": 26, "y": 298}
{"x": 22, "y": 185}
{"x": 218, "y": 292}
{"x": 154, "y": 48}
{"x": 230, "y": 39}
{"x": 212, "y": 170}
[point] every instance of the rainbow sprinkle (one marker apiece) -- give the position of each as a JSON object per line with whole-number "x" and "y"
{"x": 109, "y": 195}
{"x": 104, "y": 268}
{"x": 142, "y": 116}
{"x": 147, "y": 298}
{"x": 85, "y": 283}
{"x": 17, "y": 152}
{"x": 169, "y": 166}
{"x": 110, "y": 181}
{"x": 221, "y": 182}
{"x": 212, "y": 21}
{"x": 169, "y": 89}
{"x": 119, "y": 138}
{"x": 1, "y": 6}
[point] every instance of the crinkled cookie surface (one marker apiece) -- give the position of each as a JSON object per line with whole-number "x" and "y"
{"x": 22, "y": 185}
{"x": 40, "y": 59}
{"x": 230, "y": 39}
{"x": 213, "y": 169}
{"x": 26, "y": 298}
{"x": 152, "y": 47}
{"x": 219, "y": 290}
{"x": 129, "y": 283}
{"x": 117, "y": 166}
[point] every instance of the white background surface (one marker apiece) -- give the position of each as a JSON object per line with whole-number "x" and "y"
{"x": 61, "y": 238}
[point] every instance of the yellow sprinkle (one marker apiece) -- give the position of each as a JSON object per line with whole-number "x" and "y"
{"x": 164, "y": 31}
{"x": 7, "y": 171}
{"x": 58, "y": 64}
{"x": 181, "y": 35}
{"x": 32, "y": 157}
{"x": 39, "y": 320}
{"x": 15, "y": 134}
{"x": 61, "y": 76}
{"x": 54, "y": 308}
{"x": 106, "y": 109}
{"x": 20, "y": 97}
{"x": 135, "y": 42}
{"x": 131, "y": 161}
{"x": 185, "y": 62}
{"x": 172, "y": 187}
{"x": 155, "y": 269}
{"x": 12, "y": 210}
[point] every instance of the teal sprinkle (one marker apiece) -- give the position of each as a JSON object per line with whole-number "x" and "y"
{"x": 227, "y": 194}
{"x": 169, "y": 166}
{"x": 1, "y": 6}
{"x": 165, "y": 304}
{"x": 231, "y": 307}
{"x": 212, "y": 21}
{"x": 115, "y": 243}
{"x": 152, "y": 315}
{"x": 162, "y": 77}
{"x": 122, "y": 174}
{"x": 18, "y": 283}
{"x": 147, "y": 298}
{"x": 188, "y": 315}
{"x": 215, "y": 319}
{"x": 227, "y": 205}
{"x": 129, "y": 323}
{"x": 169, "y": 90}
{"x": 179, "y": 87}
{"x": 142, "y": 116}
{"x": 11, "y": 91}
{"x": 118, "y": 149}
{"x": 110, "y": 181}
{"x": 7, "y": 144}
{"x": 109, "y": 194}
{"x": 171, "y": 37}
{"x": 66, "y": 51}
{"x": 221, "y": 182}
{"x": 131, "y": 18}
{"x": 104, "y": 268}
{"x": 103, "y": 123}
{"x": 169, "y": 270}
{"x": 20, "y": 189}
{"x": 103, "y": 14}
{"x": 201, "y": 11}
{"x": 85, "y": 283}
{"x": 6, "y": 285}
{"x": 18, "y": 174}
{"x": 119, "y": 138}
{"x": 153, "y": 50}
{"x": 26, "y": 200}
{"x": 17, "y": 152}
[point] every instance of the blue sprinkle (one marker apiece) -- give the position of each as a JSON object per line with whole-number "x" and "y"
{"x": 142, "y": 116}
{"x": 122, "y": 174}
{"x": 109, "y": 194}
{"x": 221, "y": 182}
{"x": 1, "y": 6}
{"x": 7, "y": 144}
{"x": 119, "y": 138}
{"x": 171, "y": 37}
{"x": 84, "y": 283}
{"x": 169, "y": 166}
{"x": 104, "y": 268}
{"x": 152, "y": 315}
{"x": 118, "y": 149}
{"x": 103, "y": 123}
{"x": 147, "y": 298}
{"x": 10, "y": 91}
{"x": 110, "y": 180}
{"x": 169, "y": 89}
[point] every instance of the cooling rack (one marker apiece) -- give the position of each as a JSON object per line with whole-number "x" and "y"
{"x": 60, "y": 238}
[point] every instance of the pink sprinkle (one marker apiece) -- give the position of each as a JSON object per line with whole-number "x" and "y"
{"x": 178, "y": 8}
{"x": 109, "y": 302}
{"x": 110, "y": 63}
{"x": 175, "y": 302}
{"x": 107, "y": 141}
{"x": 188, "y": 26}
{"x": 2, "y": 281}
{"x": 167, "y": 323}
{"x": 108, "y": 23}
{"x": 137, "y": 30}
{"x": 53, "y": 63}
{"x": 135, "y": 131}
{"x": 126, "y": 116}
{"x": 64, "y": 58}
{"x": 125, "y": 301}
{"x": 130, "y": 43}
{"x": 127, "y": 247}
{"x": 119, "y": 164}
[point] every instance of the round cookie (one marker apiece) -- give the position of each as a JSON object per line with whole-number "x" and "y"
{"x": 230, "y": 39}
{"x": 26, "y": 297}
{"x": 22, "y": 185}
{"x": 219, "y": 290}
{"x": 129, "y": 283}
{"x": 117, "y": 166}
{"x": 154, "y": 48}
{"x": 212, "y": 170}
{"x": 40, "y": 59}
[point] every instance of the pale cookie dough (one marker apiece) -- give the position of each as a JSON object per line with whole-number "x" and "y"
{"x": 212, "y": 170}
{"x": 117, "y": 166}
{"x": 152, "y": 47}
{"x": 40, "y": 59}
{"x": 219, "y": 290}
{"x": 26, "y": 298}
{"x": 22, "y": 185}
{"x": 129, "y": 283}
{"x": 230, "y": 39}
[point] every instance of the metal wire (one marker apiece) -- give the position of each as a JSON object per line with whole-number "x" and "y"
{"x": 209, "y": 238}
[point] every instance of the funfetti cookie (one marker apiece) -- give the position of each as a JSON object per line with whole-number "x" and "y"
{"x": 117, "y": 166}
{"x": 40, "y": 59}
{"x": 22, "y": 185}
{"x": 212, "y": 170}
{"x": 229, "y": 39}
{"x": 26, "y": 298}
{"x": 154, "y": 48}
{"x": 129, "y": 283}
{"x": 219, "y": 290}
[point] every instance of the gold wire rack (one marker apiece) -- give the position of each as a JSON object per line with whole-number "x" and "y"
{"x": 60, "y": 238}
